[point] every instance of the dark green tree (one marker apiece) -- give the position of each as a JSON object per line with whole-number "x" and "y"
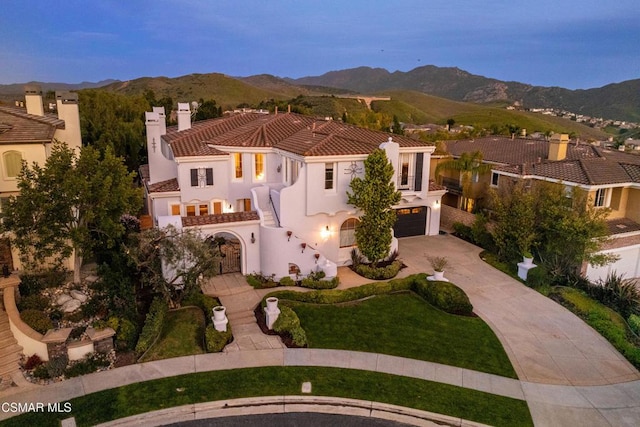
{"x": 108, "y": 119}
{"x": 172, "y": 261}
{"x": 70, "y": 205}
{"x": 374, "y": 196}
{"x": 207, "y": 110}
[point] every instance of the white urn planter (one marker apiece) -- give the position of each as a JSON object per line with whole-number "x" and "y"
{"x": 438, "y": 275}
{"x": 271, "y": 312}
{"x": 219, "y": 312}
{"x": 272, "y": 303}
{"x": 220, "y": 320}
{"x": 527, "y": 260}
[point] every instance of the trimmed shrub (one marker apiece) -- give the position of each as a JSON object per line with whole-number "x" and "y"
{"x": 127, "y": 334}
{"x": 463, "y": 231}
{"x": 202, "y": 301}
{"x": 445, "y": 296}
{"x": 260, "y": 281}
{"x": 289, "y": 323}
{"x": 152, "y": 325}
{"x": 37, "y": 320}
{"x": 32, "y": 362}
{"x": 57, "y": 366}
{"x": 41, "y": 372}
{"x": 33, "y": 302}
{"x": 634, "y": 323}
{"x": 33, "y": 283}
{"x": 287, "y": 281}
{"x": 216, "y": 340}
{"x": 378, "y": 273}
{"x": 538, "y": 277}
{"x": 309, "y": 282}
{"x": 89, "y": 364}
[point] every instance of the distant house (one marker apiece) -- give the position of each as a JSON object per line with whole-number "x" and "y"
{"x": 27, "y": 134}
{"x": 270, "y": 189}
{"x": 611, "y": 178}
{"x": 632, "y": 144}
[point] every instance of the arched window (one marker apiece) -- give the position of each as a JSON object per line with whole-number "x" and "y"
{"x": 348, "y": 232}
{"x": 12, "y": 163}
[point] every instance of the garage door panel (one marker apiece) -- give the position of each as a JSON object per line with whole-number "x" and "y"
{"x": 411, "y": 221}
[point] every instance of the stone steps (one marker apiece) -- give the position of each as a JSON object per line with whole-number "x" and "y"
{"x": 10, "y": 351}
{"x": 241, "y": 318}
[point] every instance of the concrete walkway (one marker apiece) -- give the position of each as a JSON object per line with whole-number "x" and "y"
{"x": 569, "y": 375}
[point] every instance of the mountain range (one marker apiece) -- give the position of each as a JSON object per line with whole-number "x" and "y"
{"x": 617, "y": 101}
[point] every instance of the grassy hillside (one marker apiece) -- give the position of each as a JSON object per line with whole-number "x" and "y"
{"x": 226, "y": 91}
{"x": 410, "y": 105}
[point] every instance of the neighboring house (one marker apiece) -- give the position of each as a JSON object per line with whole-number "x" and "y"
{"x": 270, "y": 189}
{"x": 611, "y": 178}
{"x": 27, "y": 134}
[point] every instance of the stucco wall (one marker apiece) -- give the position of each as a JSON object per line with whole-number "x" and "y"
{"x": 29, "y": 339}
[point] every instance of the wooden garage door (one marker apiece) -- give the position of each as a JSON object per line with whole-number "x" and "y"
{"x": 411, "y": 221}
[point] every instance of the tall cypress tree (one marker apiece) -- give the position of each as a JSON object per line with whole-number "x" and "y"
{"x": 374, "y": 196}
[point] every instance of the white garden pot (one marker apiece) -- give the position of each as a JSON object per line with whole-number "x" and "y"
{"x": 527, "y": 261}
{"x": 219, "y": 313}
{"x": 272, "y": 303}
{"x": 438, "y": 275}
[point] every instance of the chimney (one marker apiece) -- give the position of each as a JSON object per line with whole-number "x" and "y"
{"x": 184, "y": 116}
{"x": 558, "y": 146}
{"x": 33, "y": 100}
{"x": 67, "y": 106}
{"x": 276, "y": 111}
{"x": 523, "y": 133}
{"x": 162, "y": 119}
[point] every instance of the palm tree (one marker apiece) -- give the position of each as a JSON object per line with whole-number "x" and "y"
{"x": 468, "y": 165}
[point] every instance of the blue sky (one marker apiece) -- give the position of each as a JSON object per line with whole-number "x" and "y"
{"x": 572, "y": 44}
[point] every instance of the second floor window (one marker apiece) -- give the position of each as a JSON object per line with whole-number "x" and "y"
{"x": 328, "y": 176}
{"x": 494, "y": 179}
{"x": 406, "y": 171}
{"x": 237, "y": 163}
{"x": 12, "y": 163}
{"x": 201, "y": 177}
{"x": 259, "y": 166}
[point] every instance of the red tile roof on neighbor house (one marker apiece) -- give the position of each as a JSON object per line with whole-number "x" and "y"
{"x": 584, "y": 164}
{"x": 18, "y": 127}
{"x": 290, "y": 132}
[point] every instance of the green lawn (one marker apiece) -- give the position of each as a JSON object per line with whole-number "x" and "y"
{"x": 272, "y": 381}
{"x": 405, "y": 325}
{"x": 182, "y": 335}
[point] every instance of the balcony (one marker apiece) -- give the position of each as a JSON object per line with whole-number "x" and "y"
{"x": 453, "y": 185}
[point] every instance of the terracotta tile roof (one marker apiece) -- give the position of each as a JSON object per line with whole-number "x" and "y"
{"x": 16, "y": 126}
{"x": 622, "y": 225}
{"x": 144, "y": 173}
{"x": 164, "y": 186}
{"x": 295, "y": 133}
{"x": 436, "y": 187}
{"x": 193, "y": 221}
{"x": 584, "y": 164}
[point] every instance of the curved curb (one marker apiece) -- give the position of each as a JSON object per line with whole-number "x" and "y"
{"x": 290, "y": 404}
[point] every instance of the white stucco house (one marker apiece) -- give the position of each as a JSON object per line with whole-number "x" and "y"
{"x": 27, "y": 133}
{"x": 274, "y": 186}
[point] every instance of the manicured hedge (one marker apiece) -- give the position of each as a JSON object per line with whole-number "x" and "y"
{"x": 378, "y": 273}
{"x": 289, "y": 323}
{"x": 152, "y": 325}
{"x": 443, "y": 295}
{"x": 216, "y": 340}
{"x": 309, "y": 282}
{"x": 37, "y": 320}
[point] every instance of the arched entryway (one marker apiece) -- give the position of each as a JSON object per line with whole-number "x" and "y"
{"x": 229, "y": 247}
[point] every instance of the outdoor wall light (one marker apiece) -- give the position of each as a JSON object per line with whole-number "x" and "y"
{"x": 304, "y": 245}
{"x": 325, "y": 233}
{"x": 316, "y": 256}
{"x": 253, "y": 238}
{"x": 289, "y": 233}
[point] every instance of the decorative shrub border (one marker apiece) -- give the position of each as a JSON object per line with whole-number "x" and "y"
{"x": 443, "y": 295}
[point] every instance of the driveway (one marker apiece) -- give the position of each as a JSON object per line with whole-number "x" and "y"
{"x": 545, "y": 342}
